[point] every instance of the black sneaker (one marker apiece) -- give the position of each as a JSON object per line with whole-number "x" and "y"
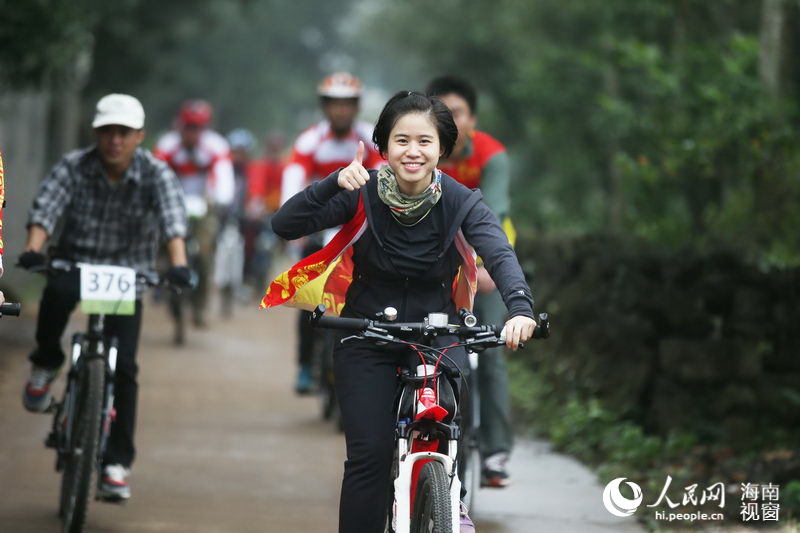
{"x": 494, "y": 473}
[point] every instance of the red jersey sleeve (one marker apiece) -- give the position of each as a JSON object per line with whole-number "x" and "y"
{"x": 373, "y": 159}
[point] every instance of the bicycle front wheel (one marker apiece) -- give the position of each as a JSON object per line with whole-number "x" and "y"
{"x": 431, "y": 513}
{"x": 79, "y": 470}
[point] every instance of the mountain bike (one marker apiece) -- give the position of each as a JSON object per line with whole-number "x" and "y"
{"x": 82, "y": 419}
{"x": 197, "y": 248}
{"x": 426, "y": 484}
{"x": 323, "y": 365}
{"x": 229, "y": 264}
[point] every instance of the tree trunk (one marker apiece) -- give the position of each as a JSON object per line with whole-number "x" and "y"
{"x": 772, "y": 45}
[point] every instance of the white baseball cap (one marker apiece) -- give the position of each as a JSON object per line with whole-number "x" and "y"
{"x": 120, "y": 109}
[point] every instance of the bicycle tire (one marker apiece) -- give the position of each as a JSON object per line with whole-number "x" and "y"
{"x": 432, "y": 511}
{"x": 78, "y": 474}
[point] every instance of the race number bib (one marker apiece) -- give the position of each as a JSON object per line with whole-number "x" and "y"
{"x": 108, "y": 290}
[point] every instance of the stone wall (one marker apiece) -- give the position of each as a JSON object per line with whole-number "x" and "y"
{"x": 703, "y": 342}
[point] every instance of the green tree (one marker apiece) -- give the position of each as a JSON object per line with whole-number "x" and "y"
{"x": 651, "y": 118}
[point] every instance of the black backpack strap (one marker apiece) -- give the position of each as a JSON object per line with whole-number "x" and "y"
{"x": 365, "y": 194}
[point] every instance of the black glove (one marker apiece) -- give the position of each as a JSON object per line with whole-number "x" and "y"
{"x": 30, "y": 259}
{"x": 180, "y": 276}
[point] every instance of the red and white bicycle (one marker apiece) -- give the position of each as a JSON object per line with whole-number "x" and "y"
{"x": 426, "y": 485}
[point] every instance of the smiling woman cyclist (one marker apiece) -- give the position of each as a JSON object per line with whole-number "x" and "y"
{"x": 408, "y": 258}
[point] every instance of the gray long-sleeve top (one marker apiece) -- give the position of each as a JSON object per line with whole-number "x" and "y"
{"x": 411, "y": 268}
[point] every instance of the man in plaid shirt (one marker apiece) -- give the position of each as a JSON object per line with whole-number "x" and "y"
{"x": 112, "y": 202}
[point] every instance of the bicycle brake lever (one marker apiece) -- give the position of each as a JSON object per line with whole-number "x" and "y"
{"x": 378, "y": 334}
{"x": 502, "y": 342}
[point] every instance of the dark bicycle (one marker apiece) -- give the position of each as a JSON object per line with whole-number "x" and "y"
{"x": 469, "y": 465}
{"x": 426, "y": 482}
{"x": 82, "y": 419}
{"x": 177, "y": 301}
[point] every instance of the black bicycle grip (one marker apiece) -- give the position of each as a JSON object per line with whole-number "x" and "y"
{"x": 335, "y": 322}
{"x": 318, "y": 319}
{"x": 542, "y": 330}
{"x": 10, "y": 309}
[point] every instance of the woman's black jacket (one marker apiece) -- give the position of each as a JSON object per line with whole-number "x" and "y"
{"x": 378, "y": 282}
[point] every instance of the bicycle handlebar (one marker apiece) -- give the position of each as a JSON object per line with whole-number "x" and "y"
{"x": 484, "y": 335}
{"x": 408, "y": 328}
{"x": 10, "y": 309}
{"x": 63, "y": 265}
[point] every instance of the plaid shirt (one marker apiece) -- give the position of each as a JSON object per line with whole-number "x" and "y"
{"x": 105, "y": 223}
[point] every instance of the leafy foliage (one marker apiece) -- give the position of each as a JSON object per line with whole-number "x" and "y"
{"x": 643, "y": 117}
{"x": 42, "y": 39}
{"x": 256, "y": 61}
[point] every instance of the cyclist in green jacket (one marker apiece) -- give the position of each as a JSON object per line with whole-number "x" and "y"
{"x": 480, "y": 161}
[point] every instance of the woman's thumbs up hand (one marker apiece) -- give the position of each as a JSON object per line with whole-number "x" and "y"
{"x": 354, "y": 176}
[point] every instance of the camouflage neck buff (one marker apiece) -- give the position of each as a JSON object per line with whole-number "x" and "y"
{"x": 408, "y": 209}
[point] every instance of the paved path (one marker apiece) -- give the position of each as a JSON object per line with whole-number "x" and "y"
{"x": 225, "y": 447}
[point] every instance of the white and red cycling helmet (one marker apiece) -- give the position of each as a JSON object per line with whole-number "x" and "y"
{"x": 340, "y": 85}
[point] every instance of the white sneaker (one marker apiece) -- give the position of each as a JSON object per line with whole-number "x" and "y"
{"x": 495, "y": 473}
{"x": 114, "y": 485}
{"x": 36, "y": 397}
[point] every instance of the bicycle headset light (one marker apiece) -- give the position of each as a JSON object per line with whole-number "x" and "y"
{"x": 468, "y": 318}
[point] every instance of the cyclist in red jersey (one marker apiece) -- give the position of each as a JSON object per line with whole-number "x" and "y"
{"x": 264, "y": 176}
{"x": 321, "y": 149}
{"x": 331, "y": 143}
{"x": 263, "y": 199}
{"x": 201, "y": 159}
{"x": 480, "y": 161}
